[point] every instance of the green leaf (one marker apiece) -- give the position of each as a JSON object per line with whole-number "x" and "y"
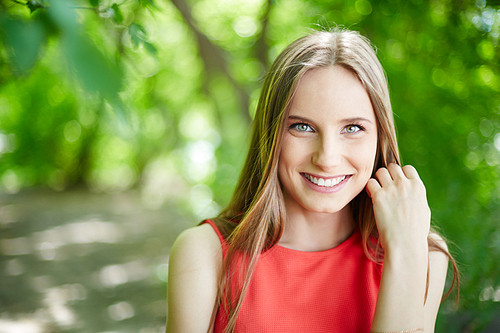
{"x": 63, "y": 16}
{"x": 94, "y": 3}
{"x": 23, "y": 41}
{"x": 146, "y": 3}
{"x": 137, "y": 34}
{"x": 47, "y": 22}
{"x": 150, "y": 47}
{"x": 34, "y": 5}
{"x": 116, "y": 13}
{"x": 91, "y": 68}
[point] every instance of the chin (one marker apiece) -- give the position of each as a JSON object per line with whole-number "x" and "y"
{"x": 324, "y": 209}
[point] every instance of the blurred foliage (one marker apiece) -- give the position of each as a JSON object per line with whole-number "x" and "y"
{"x": 158, "y": 95}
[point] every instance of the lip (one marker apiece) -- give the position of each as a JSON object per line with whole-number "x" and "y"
{"x": 324, "y": 189}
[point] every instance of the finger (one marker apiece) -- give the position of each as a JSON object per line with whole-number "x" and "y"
{"x": 395, "y": 171}
{"x": 383, "y": 176}
{"x": 372, "y": 187}
{"x": 410, "y": 172}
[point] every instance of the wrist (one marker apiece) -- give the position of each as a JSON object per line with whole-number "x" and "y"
{"x": 414, "y": 248}
{"x": 412, "y": 256}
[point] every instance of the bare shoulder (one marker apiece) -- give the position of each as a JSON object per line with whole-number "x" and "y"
{"x": 438, "y": 261}
{"x": 194, "y": 267}
{"x": 196, "y": 251}
{"x": 438, "y": 267}
{"x": 436, "y": 237}
{"x": 197, "y": 242}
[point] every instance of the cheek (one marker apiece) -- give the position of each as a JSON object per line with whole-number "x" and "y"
{"x": 284, "y": 159}
{"x": 366, "y": 156}
{"x": 290, "y": 154}
{"x": 294, "y": 154}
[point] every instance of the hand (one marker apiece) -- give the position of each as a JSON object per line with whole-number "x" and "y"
{"x": 400, "y": 207}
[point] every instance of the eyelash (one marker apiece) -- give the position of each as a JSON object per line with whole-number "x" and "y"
{"x": 296, "y": 125}
{"x": 359, "y": 126}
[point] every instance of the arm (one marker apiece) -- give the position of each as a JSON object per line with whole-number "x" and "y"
{"x": 403, "y": 221}
{"x": 438, "y": 266}
{"x": 194, "y": 266}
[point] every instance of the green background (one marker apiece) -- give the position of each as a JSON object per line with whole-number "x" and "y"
{"x": 122, "y": 123}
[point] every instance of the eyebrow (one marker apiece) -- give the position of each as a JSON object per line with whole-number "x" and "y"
{"x": 346, "y": 120}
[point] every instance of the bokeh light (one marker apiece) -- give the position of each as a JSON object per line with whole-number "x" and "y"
{"x": 123, "y": 125}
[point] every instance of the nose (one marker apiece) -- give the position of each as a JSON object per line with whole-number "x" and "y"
{"x": 328, "y": 153}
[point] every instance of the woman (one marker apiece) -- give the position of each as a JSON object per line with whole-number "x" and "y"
{"x": 325, "y": 231}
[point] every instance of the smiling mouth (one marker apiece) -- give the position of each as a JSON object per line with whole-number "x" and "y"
{"x": 330, "y": 182}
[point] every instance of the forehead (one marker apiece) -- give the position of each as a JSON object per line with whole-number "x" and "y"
{"x": 331, "y": 93}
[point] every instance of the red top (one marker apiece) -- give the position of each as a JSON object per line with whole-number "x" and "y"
{"x": 294, "y": 291}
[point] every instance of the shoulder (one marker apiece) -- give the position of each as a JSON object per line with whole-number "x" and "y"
{"x": 438, "y": 267}
{"x": 438, "y": 256}
{"x": 439, "y": 240}
{"x": 197, "y": 245}
{"x": 438, "y": 260}
{"x": 203, "y": 235}
{"x": 194, "y": 267}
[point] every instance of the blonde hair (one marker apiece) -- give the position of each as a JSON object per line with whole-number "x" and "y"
{"x": 254, "y": 219}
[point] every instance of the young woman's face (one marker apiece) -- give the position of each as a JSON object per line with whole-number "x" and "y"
{"x": 330, "y": 141}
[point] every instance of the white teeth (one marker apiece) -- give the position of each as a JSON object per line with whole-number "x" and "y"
{"x": 325, "y": 183}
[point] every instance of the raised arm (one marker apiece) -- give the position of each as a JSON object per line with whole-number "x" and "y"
{"x": 194, "y": 266}
{"x": 403, "y": 221}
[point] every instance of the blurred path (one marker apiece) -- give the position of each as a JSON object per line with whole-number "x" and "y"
{"x": 83, "y": 262}
{"x": 96, "y": 263}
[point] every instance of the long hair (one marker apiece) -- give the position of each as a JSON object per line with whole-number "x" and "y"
{"x": 253, "y": 221}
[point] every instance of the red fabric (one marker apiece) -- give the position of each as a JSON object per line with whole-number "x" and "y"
{"x": 314, "y": 292}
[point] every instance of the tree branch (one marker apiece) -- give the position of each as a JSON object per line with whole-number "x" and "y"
{"x": 262, "y": 49}
{"x": 212, "y": 56}
{"x": 42, "y": 6}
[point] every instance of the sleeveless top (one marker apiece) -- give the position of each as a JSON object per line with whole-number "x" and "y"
{"x": 315, "y": 292}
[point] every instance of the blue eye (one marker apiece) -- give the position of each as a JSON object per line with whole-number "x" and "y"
{"x": 302, "y": 127}
{"x": 352, "y": 128}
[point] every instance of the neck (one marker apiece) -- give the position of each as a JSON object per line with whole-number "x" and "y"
{"x": 311, "y": 231}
